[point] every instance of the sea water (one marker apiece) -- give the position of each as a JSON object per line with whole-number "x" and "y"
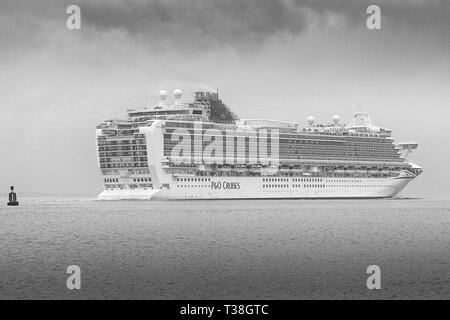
{"x": 240, "y": 249}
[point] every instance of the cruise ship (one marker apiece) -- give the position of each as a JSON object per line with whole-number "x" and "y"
{"x": 202, "y": 150}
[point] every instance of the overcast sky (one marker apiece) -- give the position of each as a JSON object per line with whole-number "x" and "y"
{"x": 281, "y": 59}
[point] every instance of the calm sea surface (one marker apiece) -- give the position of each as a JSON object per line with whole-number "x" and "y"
{"x": 273, "y": 249}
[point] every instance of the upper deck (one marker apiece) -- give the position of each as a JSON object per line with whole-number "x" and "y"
{"x": 208, "y": 108}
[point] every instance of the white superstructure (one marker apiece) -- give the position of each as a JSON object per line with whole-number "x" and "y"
{"x": 200, "y": 150}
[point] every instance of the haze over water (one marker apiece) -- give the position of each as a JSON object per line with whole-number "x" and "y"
{"x": 283, "y": 249}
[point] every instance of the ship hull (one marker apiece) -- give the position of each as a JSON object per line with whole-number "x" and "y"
{"x": 267, "y": 188}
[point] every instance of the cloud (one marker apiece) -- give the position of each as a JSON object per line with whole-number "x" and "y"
{"x": 197, "y": 23}
{"x": 411, "y": 13}
{"x": 248, "y": 22}
{"x": 202, "y": 25}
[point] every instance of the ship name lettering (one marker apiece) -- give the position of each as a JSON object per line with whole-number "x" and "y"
{"x": 225, "y": 185}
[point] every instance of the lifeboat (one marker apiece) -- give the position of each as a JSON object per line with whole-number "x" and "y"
{"x": 240, "y": 169}
{"x": 225, "y": 168}
{"x": 255, "y": 169}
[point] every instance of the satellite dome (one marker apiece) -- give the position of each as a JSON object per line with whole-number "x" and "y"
{"x": 163, "y": 94}
{"x": 310, "y": 120}
{"x": 177, "y": 93}
{"x": 336, "y": 119}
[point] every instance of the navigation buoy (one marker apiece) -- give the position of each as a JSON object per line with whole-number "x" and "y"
{"x": 13, "y": 198}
